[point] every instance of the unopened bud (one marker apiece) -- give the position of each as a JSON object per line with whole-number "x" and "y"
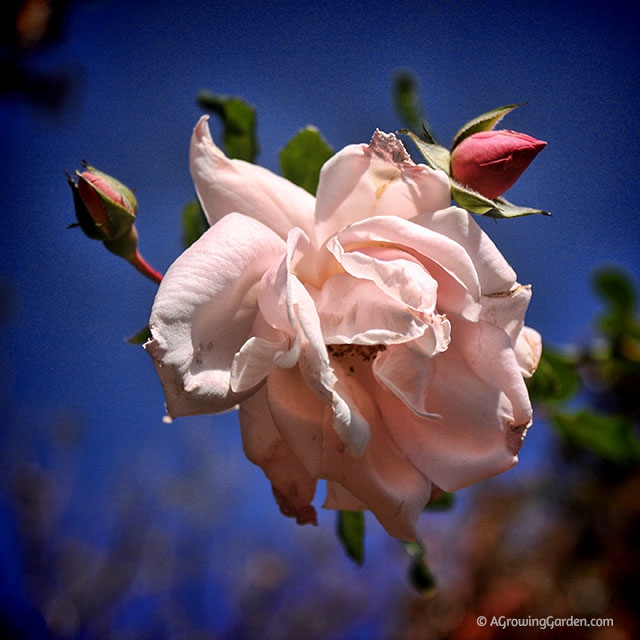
{"x": 105, "y": 208}
{"x": 490, "y": 162}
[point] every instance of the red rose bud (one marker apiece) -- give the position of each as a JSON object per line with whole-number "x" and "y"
{"x": 490, "y": 162}
{"x": 105, "y": 208}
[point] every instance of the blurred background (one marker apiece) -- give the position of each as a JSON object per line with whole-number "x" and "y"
{"x": 114, "y": 524}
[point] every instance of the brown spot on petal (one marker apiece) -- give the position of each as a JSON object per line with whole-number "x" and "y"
{"x": 516, "y": 436}
{"x": 305, "y": 514}
{"x": 365, "y": 352}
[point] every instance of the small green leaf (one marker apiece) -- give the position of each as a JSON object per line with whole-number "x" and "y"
{"x": 406, "y": 99}
{"x": 471, "y": 200}
{"x": 443, "y": 503}
{"x": 420, "y": 575}
{"x": 437, "y": 156}
{"x": 556, "y": 378}
{"x": 507, "y": 209}
{"x": 613, "y": 286}
{"x": 484, "y": 122}
{"x": 351, "y": 534}
{"x": 610, "y": 437}
{"x": 194, "y": 222}
{"x": 238, "y": 121}
{"x": 141, "y": 337}
{"x": 303, "y": 156}
{"x": 476, "y": 203}
{"x": 617, "y": 290}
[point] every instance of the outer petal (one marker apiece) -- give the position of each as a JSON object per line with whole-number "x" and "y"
{"x": 204, "y": 312}
{"x": 528, "y": 350}
{"x": 494, "y": 272}
{"x": 362, "y": 181}
{"x": 292, "y": 485}
{"x": 383, "y": 479}
{"x": 225, "y": 185}
{"x": 478, "y": 390}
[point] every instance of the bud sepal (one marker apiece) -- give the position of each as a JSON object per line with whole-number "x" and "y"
{"x": 486, "y": 165}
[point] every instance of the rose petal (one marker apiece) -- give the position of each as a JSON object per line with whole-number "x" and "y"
{"x": 493, "y": 271}
{"x": 287, "y": 305}
{"x": 356, "y": 311}
{"x": 507, "y": 310}
{"x": 382, "y": 478}
{"x": 482, "y": 424}
{"x": 362, "y": 181}
{"x": 224, "y": 186}
{"x": 394, "y": 271}
{"x": 408, "y": 375}
{"x": 292, "y": 485}
{"x": 528, "y": 349}
{"x": 204, "y": 312}
{"x": 443, "y": 258}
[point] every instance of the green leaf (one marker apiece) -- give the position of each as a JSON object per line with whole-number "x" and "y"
{"x": 556, "y": 378}
{"x": 351, "y": 534}
{"x": 613, "y": 286}
{"x": 443, "y": 503}
{"x": 436, "y": 156}
{"x": 420, "y": 575}
{"x": 141, "y": 337}
{"x": 476, "y": 203}
{"x": 238, "y": 121}
{"x": 617, "y": 290}
{"x": 303, "y": 156}
{"x": 507, "y": 209}
{"x": 611, "y": 437}
{"x": 406, "y": 99}
{"x": 194, "y": 222}
{"x": 484, "y": 122}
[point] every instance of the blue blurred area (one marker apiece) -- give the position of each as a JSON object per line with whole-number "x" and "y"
{"x": 166, "y": 530}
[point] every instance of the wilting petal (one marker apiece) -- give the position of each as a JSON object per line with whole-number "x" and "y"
{"x": 528, "y": 349}
{"x": 224, "y": 186}
{"x": 379, "y": 179}
{"x": 204, "y": 312}
{"x": 382, "y": 478}
{"x": 340, "y": 499}
{"x": 479, "y": 392}
{"x": 507, "y": 310}
{"x": 292, "y": 485}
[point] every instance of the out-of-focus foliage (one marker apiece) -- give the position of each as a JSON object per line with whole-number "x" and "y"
{"x": 194, "y": 222}
{"x": 303, "y": 156}
{"x": 351, "y": 534}
{"x": 238, "y": 121}
{"x": 590, "y": 392}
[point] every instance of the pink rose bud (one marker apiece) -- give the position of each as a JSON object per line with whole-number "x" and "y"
{"x": 490, "y": 162}
{"x": 105, "y": 208}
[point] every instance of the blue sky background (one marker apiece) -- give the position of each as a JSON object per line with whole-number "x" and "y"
{"x": 84, "y": 408}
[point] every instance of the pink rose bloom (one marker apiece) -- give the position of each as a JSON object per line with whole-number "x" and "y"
{"x": 372, "y": 336}
{"x": 490, "y": 162}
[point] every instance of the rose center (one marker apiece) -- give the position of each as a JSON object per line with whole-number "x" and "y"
{"x": 366, "y": 352}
